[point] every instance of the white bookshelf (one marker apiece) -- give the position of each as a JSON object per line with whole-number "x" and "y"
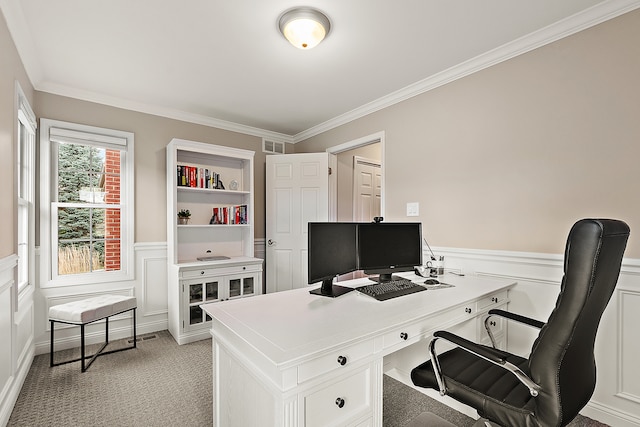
{"x": 192, "y": 281}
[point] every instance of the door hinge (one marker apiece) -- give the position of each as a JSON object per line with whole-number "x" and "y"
{"x": 329, "y": 171}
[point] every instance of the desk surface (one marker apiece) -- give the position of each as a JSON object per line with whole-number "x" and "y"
{"x": 287, "y": 326}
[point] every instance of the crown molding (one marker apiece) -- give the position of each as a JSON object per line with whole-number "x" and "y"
{"x": 597, "y": 14}
{"x": 155, "y": 110}
{"x": 22, "y": 39}
{"x": 580, "y": 21}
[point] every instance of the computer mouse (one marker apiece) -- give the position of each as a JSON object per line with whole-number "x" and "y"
{"x": 431, "y": 282}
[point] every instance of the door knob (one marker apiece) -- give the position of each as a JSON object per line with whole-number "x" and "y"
{"x": 271, "y": 242}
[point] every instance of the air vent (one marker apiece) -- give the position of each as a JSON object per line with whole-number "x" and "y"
{"x": 143, "y": 338}
{"x": 272, "y": 147}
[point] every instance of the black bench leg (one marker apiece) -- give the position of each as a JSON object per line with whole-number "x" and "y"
{"x": 82, "y": 347}
{"x": 51, "y": 353}
{"x": 135, "y": 340}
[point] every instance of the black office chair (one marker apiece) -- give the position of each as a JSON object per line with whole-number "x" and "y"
{"x": 558, "y": 379}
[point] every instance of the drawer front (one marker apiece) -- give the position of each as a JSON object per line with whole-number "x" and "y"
{"x": 339, "y": 402}
{"x": 340, "y": 359}
{"x": 222, "y": 271}
{"x": 494, "y": 299}
{"x": 413, "y": 332}
{"x": 496, "y": 324}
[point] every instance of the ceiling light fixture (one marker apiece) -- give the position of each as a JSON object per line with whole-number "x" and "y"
{"x": 304, "y": 27}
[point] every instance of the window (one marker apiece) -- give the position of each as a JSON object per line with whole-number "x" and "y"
{"x": 25, "y": 170}
{"x": 87, "y": 200}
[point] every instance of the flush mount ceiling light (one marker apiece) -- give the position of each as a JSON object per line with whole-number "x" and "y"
{"x": 304, "y": 27}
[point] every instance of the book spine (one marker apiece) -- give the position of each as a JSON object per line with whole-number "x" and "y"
{"x": 201, "y": 177}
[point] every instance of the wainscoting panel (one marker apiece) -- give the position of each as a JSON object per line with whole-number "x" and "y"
{"x": 629, "y": 346}
{"x": 152, "y": 266}
{"x": 616, "y": 400}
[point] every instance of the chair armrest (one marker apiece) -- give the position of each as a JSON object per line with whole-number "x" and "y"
{"x": 517, "y": 317}
{"x": 492, "y": 354}
{"x": 495, "y": 356}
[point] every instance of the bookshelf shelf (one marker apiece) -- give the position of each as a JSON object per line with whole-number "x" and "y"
{"x": 196, "y": 173}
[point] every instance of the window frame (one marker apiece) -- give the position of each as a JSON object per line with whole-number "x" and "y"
{"x": 25, "y": 190}
{"x": 98, "y": 137}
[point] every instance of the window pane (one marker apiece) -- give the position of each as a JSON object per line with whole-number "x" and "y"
{"x": 23, "y": 244}
{"x": 88, "y": 174}
{"x": 79, "y": 257}
{"x": 92, "y": 235}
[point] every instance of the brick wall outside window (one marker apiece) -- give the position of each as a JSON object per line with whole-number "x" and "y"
{"x": 112, "y": 216}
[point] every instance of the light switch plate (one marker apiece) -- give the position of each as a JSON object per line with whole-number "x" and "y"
{"x": 413, "y": 209}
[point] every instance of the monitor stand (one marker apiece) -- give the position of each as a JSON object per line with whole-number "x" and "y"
{"x": 385, "y": 277}
{"x": 328, "y": 289}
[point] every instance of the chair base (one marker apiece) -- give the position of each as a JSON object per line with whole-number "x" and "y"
{"x": 83, "y": 357}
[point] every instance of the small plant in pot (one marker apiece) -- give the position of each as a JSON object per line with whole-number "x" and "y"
{"x": 183, "y": 216}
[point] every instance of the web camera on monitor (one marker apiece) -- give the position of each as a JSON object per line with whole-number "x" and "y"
{"x": 377, "y": 219}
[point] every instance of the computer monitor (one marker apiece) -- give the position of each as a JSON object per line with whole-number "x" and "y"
{"x": 389, "y": 247}
{"x": 331, "y": 251}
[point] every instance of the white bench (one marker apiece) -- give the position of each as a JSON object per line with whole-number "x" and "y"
{"x": 88, "y": 311}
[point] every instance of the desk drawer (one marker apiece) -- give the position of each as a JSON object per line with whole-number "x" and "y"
{"x": 339, "y": 402}
{"x": 221, "y": 271}
{"x": 339, "y": 359}
{"x": 494, "y": 299}
{"x": 413, "y": 332}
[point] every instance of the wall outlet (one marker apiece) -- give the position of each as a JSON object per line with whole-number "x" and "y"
{"x": 413, "y": 209}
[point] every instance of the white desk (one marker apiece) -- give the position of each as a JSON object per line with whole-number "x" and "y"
{"x": 295, "y": 359}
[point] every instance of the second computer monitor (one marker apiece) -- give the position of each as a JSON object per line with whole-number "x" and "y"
{"x": 387, "y": 248}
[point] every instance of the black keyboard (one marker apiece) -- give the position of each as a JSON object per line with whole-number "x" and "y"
{"x": 393, "y": 289}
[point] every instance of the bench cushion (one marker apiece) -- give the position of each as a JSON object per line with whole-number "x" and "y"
{"x": 90, "y": 309}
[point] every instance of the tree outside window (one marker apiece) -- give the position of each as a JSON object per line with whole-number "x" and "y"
{"x": 88, "y": 209}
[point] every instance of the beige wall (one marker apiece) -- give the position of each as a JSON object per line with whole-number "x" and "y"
{"x": 11, "y": 69}
{"x": 152, "y": 134}
{"x": 510, "y": 157}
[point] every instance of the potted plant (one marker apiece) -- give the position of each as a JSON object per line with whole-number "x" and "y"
{"x": 183, "y": 216}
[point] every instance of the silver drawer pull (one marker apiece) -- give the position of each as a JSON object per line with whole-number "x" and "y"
{"x": 342, "y": 360}
{"x": 339, "y": 402}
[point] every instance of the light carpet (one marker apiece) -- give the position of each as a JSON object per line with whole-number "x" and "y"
{"x": 163, "y": 384}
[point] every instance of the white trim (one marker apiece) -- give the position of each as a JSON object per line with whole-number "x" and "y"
{"x": 580, "y": 21}
{"x": 377, "y": 137}
{"x": 127, "y": 207}
{"x": 597, "y": 14}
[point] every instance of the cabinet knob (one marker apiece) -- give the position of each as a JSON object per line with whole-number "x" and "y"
{"x": 492, "y": 323}
{"x": 494, "y": 299}
{"x": 467, "y": 310}
{"x": 404, "y": 335}
{"x": 202, "y": 272}
{"x": 342, "y": 360}
{"x": 339, "y": 402}
{"x": 244, "y": 268}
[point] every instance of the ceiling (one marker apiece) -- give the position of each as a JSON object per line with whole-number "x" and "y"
{"x": 224, "y": 63}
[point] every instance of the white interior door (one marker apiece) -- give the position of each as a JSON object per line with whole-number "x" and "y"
{"x": 367, "y": 184}
{"x": 297, "y": 192}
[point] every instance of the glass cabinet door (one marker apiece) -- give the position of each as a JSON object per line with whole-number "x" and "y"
{"x": 247, "y": 286}
{"x": 195, "y": 293}
{"x": 235, "y": 287}
{"x": 212, "y": 291}
{"x": 195, "y": 314}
